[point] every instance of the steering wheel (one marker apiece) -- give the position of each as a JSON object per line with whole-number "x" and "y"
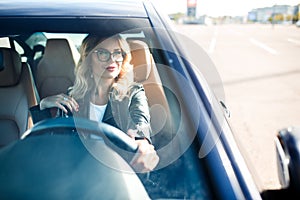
{"x": 53, "y": 158}
{"x": 77, "y": 125}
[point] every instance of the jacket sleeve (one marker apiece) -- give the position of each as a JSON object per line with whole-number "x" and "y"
{"x": 139, "y": 113}
{"x": 38, "y": 115}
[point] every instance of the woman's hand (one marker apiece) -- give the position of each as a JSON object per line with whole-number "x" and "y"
{"x": 146, "y": 159}
{"x": 60, "y": 101}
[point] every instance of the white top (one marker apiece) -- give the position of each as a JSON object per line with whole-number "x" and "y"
{"x": 97, "y": 112}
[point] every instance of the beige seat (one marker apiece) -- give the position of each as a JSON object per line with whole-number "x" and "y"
{"x": 55, "y": 71}
{"x": 17, "y": 96}
{"x": 145, "y": 72}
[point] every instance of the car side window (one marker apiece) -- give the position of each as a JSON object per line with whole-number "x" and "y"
{"x": 21, "y": 51}
{"x": 4, "y": 42}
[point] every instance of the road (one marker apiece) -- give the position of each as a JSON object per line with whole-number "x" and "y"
{"x": 259, "y": 66}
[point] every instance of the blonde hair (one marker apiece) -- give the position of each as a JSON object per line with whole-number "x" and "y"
{"x": 83, "y": 72}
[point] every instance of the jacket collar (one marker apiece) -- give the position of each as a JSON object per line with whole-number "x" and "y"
{"x": 108, "y": 112}
{"x": 84, "y": 108}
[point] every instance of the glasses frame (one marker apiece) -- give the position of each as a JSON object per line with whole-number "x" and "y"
{"x": 111, "y": 55}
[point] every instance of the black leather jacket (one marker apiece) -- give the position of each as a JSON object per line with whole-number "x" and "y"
{"x": 132, "y": 112}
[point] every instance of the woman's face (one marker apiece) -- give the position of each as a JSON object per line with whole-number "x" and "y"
{"x": 106, "y": 59}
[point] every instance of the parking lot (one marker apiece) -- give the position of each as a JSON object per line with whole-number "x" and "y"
{"x": 260, "y": 70}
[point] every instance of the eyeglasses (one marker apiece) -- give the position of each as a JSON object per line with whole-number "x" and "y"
{"x": 104, "y": 55}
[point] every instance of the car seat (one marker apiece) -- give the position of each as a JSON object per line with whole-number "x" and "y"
{"x": 55, "y": 71}
{"x": 145, "y": 72}
{"x": 17, "y": 93}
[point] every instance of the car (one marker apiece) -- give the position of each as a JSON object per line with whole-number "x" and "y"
{"x": 63, "y": 157}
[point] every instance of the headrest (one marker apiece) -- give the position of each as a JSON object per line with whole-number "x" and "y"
{"x": 59, "y": 56}
{"x": 10, "y": 67}
{"x": 141, "y": 60}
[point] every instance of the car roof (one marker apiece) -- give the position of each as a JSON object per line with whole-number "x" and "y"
{"x": 114, "y": 16}
{"x": 116, "y": 8}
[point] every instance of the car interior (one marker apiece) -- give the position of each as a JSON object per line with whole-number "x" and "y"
{"x": 55, "y": 70}
{"x": 17, "y": 96}
{"x": 48, "y": 68}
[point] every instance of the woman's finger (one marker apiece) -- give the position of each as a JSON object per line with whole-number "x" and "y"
{"x": 59, "y": 105}
{"x": 74, "y": 102}
{"x": 69, "y": 102}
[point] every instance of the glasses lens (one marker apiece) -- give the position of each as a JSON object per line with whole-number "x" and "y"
{"x": 103, "y": 55}
{"x": 117, "y": 56}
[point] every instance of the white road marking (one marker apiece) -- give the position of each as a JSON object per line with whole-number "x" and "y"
{"x": 263, "y": 46}
{"x": 213, "y": 42}
{"x": 212, "y": 45}
{"x": 293, "y": 41}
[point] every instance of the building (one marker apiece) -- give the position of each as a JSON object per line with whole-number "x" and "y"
{"x": 274, "y": 14}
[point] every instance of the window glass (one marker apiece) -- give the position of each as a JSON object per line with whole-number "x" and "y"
{"x": 18, "y": 48}
{"x": 4, "y": 42}
{"x": 35, "y": 39}
{"x": 75, "y": 39}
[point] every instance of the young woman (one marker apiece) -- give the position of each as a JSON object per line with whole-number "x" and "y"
{"x": 104, "y": 91}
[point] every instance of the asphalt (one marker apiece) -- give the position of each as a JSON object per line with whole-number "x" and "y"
{"x": 259, "y": 70}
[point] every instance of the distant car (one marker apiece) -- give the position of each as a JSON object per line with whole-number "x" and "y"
{"x": 63, "y": 158}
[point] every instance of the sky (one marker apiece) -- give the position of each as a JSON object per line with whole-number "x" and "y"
{"x": 220, "y": 7}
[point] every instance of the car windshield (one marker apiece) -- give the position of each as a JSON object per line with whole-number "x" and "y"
{"x": 181, "y": 173}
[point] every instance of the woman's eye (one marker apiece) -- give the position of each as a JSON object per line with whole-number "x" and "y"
{"x": 104, "y": 54}
{"x": 117, "y": 53}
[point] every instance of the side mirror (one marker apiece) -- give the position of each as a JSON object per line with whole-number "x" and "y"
{"x": 287, "y": 144}
{"x": 288, "y": 157}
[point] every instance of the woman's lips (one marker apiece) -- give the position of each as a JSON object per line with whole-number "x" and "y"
{"x": 111, "y": 68}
